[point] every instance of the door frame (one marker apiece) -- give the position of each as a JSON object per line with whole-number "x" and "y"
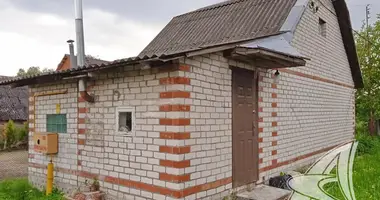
{"x": 255, "y": 90}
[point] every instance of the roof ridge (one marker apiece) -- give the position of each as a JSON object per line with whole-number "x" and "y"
{"x": 213, "y": 6}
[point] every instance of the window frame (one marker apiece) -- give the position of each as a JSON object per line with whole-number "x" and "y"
{"x": 133, "y": 118}
{"x": 56, "y": 115}
{"x": 322, "y": 27}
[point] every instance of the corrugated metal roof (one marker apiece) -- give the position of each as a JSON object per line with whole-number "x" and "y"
{"x": 224, "y": 23}
{"x": 95, "y": 67}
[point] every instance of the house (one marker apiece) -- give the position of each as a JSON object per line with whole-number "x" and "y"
{"x": 89, "y": 60}
{"x": 223, "y": 98}
{"x": 13, "y": 103}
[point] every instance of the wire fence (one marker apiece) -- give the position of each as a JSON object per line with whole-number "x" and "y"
{"x": 13, "y": 164}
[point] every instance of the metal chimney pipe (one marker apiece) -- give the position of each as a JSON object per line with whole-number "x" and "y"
{"x": 73, "y": 61}
{"x": 79, "y": 32}
{"x": 82, "y": 86}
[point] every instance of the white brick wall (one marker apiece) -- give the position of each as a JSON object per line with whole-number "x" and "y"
{"x": 310, "y": 115}
{"x": 327, "y": 54}
{"x": 67, "y": 141}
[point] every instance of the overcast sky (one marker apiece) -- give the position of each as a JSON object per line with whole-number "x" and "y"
{"x": 34, "y": 32}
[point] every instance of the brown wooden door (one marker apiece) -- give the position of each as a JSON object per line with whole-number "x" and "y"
{"x": 244, "y": 128}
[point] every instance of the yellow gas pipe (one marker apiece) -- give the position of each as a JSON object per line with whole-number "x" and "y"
{"x": 50, "y": 166}
{"x": 50, "y": 177}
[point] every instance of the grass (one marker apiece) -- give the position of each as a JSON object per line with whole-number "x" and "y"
{"x": 366, "y": 170}
{"x": 20, "y": 189}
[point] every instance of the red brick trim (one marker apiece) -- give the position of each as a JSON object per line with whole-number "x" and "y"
{"x": 274, "y": 95}
{"x": 82, "y": 110}
{"x": 274, "y": 143}
{"x": 175, "y": 122}
{"x": 175, "y": 150}
{"x": 274, "y": 114}
{"x": 175, "y": 80}
{"x": 275, "y": 164}
{"x": 174, "y": 94}
{"x": 175, "y": 164}
{"x": 176, "y": 108}
{"x": 204, "y": 187}
{"x": 81, "y": 99}
{"x": 174, "y": 178}
{"x": 81, "y": 121}
{"x": 175, "y": 136}
{"x": 185, "y": 68}
{"x": 274, "y": 152}
{"x": 81, "y": 141}
{"x": 81, "y": 131}
{"x": 274, "y": 105}
{"x": 143, "y": 186}
{"x": 274, "y": 124}
{"x": 274, "y": 86}
{"x": 274, "y": 134}
{"x": 315, "y": 78}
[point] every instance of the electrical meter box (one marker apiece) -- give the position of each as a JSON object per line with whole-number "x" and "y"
{"x": 46, "y": 143}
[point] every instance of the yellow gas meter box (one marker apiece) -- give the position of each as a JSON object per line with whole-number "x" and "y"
{"x": 46, "y": 143}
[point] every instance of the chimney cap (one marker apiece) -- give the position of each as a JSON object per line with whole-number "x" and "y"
{"x": 70, "y": 41}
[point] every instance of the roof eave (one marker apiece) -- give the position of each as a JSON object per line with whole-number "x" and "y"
{"x": 343, "y": 15}
{"x": 265, "y": 58}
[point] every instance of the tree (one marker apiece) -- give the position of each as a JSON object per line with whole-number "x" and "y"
{"x": 31, "y": 71}
{"x": 368, "y": 98}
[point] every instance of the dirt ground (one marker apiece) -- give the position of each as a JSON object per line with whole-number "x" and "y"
{"x": 13, "y": 164}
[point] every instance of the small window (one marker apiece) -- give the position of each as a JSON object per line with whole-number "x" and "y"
{"x": 125, "y": 118}
{"x": 322, "y": 27}
{"x": 56, "y": 123}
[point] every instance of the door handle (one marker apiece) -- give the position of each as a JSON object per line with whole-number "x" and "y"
{"x": 253, "y": 123}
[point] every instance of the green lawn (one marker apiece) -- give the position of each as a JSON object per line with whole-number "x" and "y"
{"x": 366, "y": 172}
{"x": 20, "y": 189}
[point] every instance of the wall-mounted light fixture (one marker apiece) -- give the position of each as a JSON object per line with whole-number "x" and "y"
{"x": 313, "y": 6}
{"x": 276, "y": 76}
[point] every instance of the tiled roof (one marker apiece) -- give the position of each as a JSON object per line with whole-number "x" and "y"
{"x": 13, "y": 103}
{"x": 224, "y": 23}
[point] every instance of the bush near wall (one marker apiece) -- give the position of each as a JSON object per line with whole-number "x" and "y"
{"x": 12, "y": 133}
{"x": 20, "y": 189}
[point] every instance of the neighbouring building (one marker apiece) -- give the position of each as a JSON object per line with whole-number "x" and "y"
{"x": 13, "y": 103}
{"x": 224, "y": 97}
{"x": 89, "y": 60}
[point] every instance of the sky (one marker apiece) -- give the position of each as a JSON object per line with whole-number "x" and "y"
{"x": 34, "y": 32}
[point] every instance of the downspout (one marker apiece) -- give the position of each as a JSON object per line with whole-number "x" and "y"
{"x": 80, "y": 50}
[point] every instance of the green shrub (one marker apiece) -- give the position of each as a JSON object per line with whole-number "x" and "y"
{"x": 9, "y": 133}
{"x": 20, "y": 189}
{"x": 366, "y": 144}
{"x": 22, "y": 132}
